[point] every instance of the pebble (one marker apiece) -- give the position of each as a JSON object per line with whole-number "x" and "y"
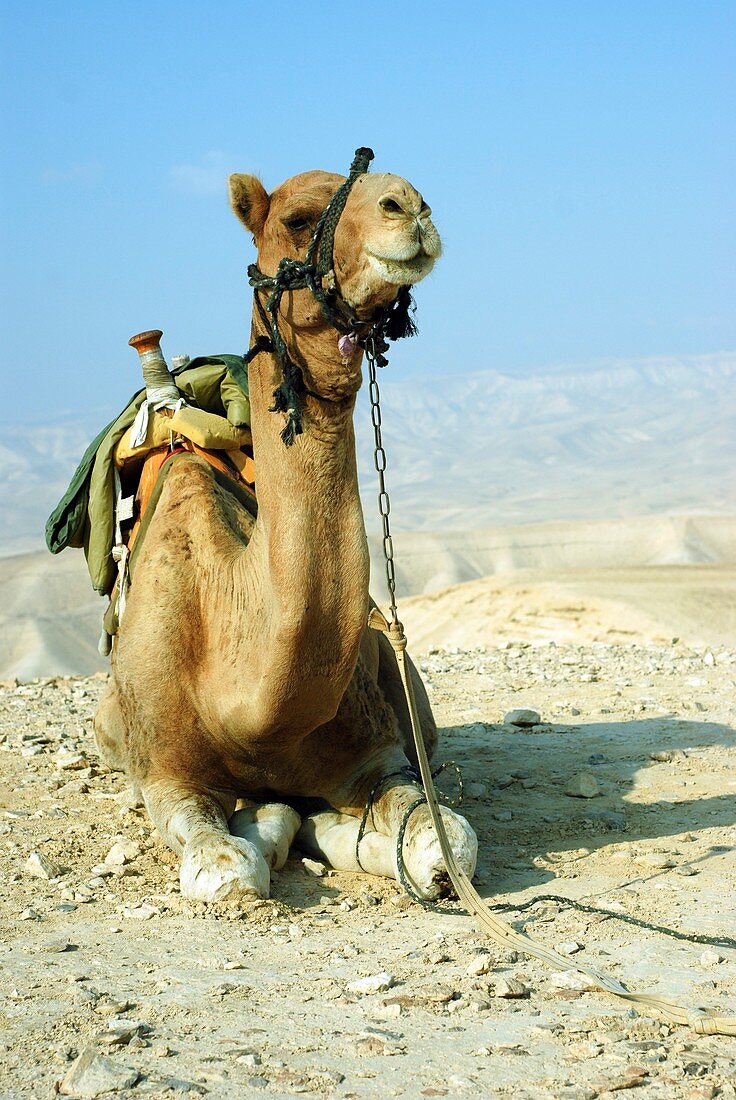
{"x": 521, "y": 717}
{"x": 510, "y": 988}
{"x": 710, "y": 958}
{"x": 119, "y": 1032}
{"x": 123, "y": 851}
{"x": 481, "y": 964}
{"x": 582, "y": 785}
{"x": 92, "y": 1074}
{"x": 374, "y": 983}
{"x": 572, "y": 979}
{"x": 250, "y": 1058}
{"x": 503, "y": 815}
{"x": 42, "y": 867}
{"x": 313, "y": 865}
{"x": 569, "y": 947}
{"x": 141, "y": 912}
{"x": 475, "y": 790}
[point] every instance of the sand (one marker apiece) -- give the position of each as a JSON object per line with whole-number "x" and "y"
{"x": 189, "y": 1001}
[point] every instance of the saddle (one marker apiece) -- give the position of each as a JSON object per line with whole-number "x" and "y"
{"x": 140, "y": 474}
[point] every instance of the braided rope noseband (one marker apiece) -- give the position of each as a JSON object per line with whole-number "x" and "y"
{"x": 315, "y": 273}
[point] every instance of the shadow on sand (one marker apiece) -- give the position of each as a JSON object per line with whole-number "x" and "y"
{"x": 526, "y": 772}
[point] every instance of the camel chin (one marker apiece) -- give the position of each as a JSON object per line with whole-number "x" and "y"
{"x": 224, "y": 869}
{"x": 423, "y": 860}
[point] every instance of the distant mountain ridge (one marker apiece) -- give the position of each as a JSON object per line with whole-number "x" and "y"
{"x": 467, "y": 451}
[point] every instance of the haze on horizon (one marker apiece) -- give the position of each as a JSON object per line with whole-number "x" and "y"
{"x": 579, "y": 160}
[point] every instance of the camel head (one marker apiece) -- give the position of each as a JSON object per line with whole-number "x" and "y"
{"x": 384, "y": 238}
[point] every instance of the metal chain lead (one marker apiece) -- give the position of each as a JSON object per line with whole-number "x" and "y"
{"x": 384, "y": 502}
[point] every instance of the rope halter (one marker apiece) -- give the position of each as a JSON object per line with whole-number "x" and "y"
{"x": 315, "y": 273}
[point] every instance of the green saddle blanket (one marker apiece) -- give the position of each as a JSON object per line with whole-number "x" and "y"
{"x": 85, "y": 515}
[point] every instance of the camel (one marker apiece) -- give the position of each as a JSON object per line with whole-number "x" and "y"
{"x": 249, "y": 704}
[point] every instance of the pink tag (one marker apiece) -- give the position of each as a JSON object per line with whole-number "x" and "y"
{"x": 347, "y": 346}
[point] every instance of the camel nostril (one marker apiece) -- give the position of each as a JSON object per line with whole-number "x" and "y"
{"x": 390, "y": 205}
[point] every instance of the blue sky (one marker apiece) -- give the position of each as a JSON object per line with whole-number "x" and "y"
{"x": 579, "y": 158}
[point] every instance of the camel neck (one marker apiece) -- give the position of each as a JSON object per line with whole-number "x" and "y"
{"x": 310, "y": 525}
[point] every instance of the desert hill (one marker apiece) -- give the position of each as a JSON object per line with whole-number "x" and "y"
{"x": 490, "y": 474}
{"x": 475, "y": 450}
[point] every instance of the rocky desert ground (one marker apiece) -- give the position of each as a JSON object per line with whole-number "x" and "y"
{"x": 568, "y": 539}
{"x": 621, "y": 795}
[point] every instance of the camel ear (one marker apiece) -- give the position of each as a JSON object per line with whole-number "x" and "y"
{"x": 250, "y": 201}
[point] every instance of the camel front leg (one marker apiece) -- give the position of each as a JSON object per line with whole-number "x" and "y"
{"x": 215, "y": 866}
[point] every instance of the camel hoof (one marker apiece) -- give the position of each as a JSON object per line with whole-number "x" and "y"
{"x": 223, "y": 868}
{"x": 423, "y": 860}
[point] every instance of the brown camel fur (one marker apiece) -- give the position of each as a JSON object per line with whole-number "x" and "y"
{"x": 244, "y": 674}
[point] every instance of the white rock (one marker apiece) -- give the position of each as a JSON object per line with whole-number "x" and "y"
{"x": 68, "y": 761}
{"x": 314, "y": 866}
{"x": 521, "y": 718}
{"x": 510, "y": 988}
{"x": 481, "y": 964}
{"x": 91, "y": 1075}
{"x": 41, "y": 867}
{"x": 569, "y": 947}
{"x": 710, "y": 958}
{"x": 141, "y": 912}
{"x": 250, "y": 1058}
{"x": 122, "y": 852}
{"x": 572, "y": 979}
{"x": 374, "y": 983}
{"x": 583, "y": 785}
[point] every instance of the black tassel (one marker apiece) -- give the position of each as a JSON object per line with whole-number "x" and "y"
{"x": 286, "y": 400}
{"x": 399, "y": 323}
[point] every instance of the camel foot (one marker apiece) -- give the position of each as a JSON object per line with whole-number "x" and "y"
{"x": 223, "y": 868}
{"x": 423, "y": 860}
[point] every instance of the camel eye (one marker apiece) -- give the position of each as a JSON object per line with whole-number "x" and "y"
{"x": 296, "y": 222}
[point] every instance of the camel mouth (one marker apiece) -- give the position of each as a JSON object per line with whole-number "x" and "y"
{"x": 401, "y": 272}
